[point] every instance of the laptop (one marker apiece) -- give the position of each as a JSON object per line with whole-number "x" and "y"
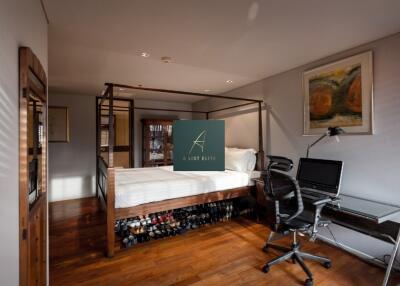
{"x": 319, "y": 178}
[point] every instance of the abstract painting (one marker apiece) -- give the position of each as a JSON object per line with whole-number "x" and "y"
{"x": 339, "y": 95}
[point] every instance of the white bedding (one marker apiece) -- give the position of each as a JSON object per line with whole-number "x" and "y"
{"x": 145, "y": 185}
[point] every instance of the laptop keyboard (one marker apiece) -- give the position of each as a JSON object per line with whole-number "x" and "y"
{"x": 313, "y": 195}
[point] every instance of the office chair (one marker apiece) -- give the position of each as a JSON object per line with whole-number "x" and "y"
{"x": 284, "y": 207}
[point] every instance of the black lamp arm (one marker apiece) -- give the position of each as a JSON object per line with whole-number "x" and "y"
{"x": 332, "y": 131}
{"x": 315, "y": 142}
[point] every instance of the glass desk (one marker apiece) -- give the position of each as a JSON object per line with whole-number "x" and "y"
{"x": 371, "y": 210}
{"x": 378, "y": 212}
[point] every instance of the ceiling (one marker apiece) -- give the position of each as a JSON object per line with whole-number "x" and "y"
{"x": 210, "y": 41}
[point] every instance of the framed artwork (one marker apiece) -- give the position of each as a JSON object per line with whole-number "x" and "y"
{"x": 340, "y": 94}
{"x": 58, "y": 124}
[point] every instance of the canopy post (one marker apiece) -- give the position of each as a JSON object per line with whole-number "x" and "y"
{"x": 260, "y": 139}
{"x": 111, "y": 127}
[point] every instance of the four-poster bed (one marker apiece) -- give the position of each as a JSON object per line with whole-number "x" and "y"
{"x": 106, "y": 171}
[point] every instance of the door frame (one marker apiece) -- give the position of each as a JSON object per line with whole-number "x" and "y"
{"x": 32, "y": 79}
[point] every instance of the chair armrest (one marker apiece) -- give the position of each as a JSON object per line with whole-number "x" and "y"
{"x": 322, "y": 202}
{"x": 319, "y": 205}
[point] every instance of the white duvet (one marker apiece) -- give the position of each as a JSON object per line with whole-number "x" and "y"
{"x": 145, "y": 185}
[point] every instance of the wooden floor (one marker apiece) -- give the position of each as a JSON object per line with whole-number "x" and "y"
{"x": 223, "y": 254}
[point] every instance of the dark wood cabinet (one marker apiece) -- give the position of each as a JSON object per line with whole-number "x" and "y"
{"x": 157, "y": 142}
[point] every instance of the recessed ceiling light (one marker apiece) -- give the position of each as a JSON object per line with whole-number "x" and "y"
{"x": 145, "y": 55}
{"x": 207, "y": 90}
{"x": 229, "y": 81}
{"x": 166, "y": 60}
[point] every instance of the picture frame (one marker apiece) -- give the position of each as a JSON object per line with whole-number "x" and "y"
{"x": 58, "y": 124}
{"x": 340, "y": 94}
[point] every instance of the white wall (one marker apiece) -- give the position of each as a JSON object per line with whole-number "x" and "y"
{"x": 371, "y": 162}
{"x": 22, "y": 23}
{"x": 238, "y": 121}
{"x": 72, "y": 166}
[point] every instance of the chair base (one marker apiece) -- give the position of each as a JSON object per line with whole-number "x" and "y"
{"x": 295, "y": 255}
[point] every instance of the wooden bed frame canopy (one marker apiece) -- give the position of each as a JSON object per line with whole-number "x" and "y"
{"x": 105, "y": 171}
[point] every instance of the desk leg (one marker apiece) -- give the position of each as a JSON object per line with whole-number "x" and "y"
{"x": 392, "y": 258}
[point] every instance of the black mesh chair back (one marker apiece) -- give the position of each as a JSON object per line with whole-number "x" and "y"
{"x": 282, "y": 192}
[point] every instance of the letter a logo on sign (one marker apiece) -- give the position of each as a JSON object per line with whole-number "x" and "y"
{"x": 200, "y": 141}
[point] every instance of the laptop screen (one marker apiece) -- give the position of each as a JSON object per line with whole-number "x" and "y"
{"x": 322, "y": 175}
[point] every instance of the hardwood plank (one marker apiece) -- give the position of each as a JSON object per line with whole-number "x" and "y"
{"x": 223, "y": 254}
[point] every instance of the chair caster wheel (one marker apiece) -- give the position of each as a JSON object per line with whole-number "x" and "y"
{"x": 327, "y": 265}
{"x": 309, "y": 282}
{"x": 265, "y": 269}
{"x": 265, "y": 248}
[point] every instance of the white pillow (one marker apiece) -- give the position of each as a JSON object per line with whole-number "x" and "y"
{"x": 251, "y": 163}
{"x": 251, "y": 150}
{"x": 251, "y": 157}
{"x": 241, "y": 160}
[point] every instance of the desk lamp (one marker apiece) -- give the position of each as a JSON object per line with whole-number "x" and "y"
{"x": 332, "y": 131}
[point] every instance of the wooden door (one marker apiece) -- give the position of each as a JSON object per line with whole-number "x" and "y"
{"x": 32, "y": 170}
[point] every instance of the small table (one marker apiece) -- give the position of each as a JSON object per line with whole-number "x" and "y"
{"x": 260, "y": 197}
{"x": 373, "y": 211}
